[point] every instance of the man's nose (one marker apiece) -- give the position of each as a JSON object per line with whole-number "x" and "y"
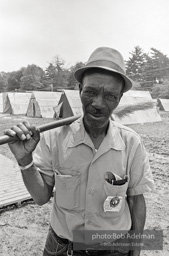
{"x": 98, "y": 102}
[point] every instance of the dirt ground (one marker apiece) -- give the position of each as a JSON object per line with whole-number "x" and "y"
{"x": 23, "y": 228}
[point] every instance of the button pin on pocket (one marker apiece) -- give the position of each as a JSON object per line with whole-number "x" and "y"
{"x": 114, "y": 201}
{"x": 113, "y": 204}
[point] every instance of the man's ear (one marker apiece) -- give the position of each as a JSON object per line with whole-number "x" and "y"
{"x": 80, "y": 88}
{"x": 121, "y": 95}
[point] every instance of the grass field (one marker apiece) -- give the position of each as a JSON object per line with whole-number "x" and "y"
{"x": 23, "y": 229}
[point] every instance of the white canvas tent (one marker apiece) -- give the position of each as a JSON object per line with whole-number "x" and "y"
{"x": 16, "y": 103}
{"x": 163, "y": 104}
{"x": 138, "y": 99}
{"x": 71, "y": 103}
{"x": 1, "y": 103}
{"x": 43, "y": 104}
{"x": 138, "y": 94}
{"x": 72, "y": 106}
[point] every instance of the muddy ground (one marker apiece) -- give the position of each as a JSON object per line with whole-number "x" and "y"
{"x": 23, "y": 228}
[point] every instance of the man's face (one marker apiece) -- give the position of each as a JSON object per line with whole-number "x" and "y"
{"x": 100, "y": 94}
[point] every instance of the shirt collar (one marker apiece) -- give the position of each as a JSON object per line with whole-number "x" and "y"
{"x": 112, "y": 139}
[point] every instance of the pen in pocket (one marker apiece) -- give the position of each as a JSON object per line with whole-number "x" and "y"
{"x": 110, "y": 178}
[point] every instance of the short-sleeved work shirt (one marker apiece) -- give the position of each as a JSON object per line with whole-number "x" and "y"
{"x": 66, "y": 158}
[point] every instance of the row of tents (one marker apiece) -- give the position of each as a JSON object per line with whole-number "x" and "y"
{"x": 35, "y": 104}
{"x": 134, "y": 107}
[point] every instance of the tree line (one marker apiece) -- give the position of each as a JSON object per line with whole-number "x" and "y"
{"x": 149, "y": 71}
{"x": 33, "y": 77}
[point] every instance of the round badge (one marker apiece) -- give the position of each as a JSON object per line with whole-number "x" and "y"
{"x": 114, "y": 201}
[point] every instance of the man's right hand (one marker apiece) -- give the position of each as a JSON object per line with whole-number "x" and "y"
{"x": 28, "y": 138}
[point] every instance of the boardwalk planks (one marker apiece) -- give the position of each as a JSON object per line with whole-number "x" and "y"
{"x": 12, "y": 188}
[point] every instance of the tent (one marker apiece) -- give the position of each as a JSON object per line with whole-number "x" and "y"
{"x": 72, "y": 106}
{"x": 43, "y": 104}
{"x": 71, "y": 103}
{"x": 16, "y": 103}
{"x": 163, "y": 104}
{"x": 1, "y": 103}
{"x": 144, "y": 109}
{"x": 138, "y": 94}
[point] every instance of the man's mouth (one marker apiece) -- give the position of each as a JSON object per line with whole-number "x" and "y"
{"x": 97, "y": 114}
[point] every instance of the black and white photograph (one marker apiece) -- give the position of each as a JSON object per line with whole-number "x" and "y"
{"x": 84, "y": 128}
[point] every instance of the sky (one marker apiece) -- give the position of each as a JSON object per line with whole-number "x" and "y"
{"x": 36, "y": 31}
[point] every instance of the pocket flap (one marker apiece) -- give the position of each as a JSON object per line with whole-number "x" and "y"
{"x": 67, "y": 181}
{"x": 119, "y": 190}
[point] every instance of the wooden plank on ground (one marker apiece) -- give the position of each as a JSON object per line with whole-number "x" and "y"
{"x": 15, "y": 200}
{"x": 12, "y": 188}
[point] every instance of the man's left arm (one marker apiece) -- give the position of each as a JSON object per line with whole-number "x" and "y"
{"x": 140, "y": 182}
{"x": 137, "y": 208}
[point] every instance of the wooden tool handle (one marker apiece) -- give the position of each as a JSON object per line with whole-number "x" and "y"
{"x": 66, "y": 121}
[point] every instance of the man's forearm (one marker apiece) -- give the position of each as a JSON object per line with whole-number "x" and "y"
{"x": 137, "y": 208}
{"x": 37, "y": 187}
{"x": 34, "y": 182}
{"x": 138, "y": 211}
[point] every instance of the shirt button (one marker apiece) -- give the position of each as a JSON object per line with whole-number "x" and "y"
{"x": 64, "y": 184}
{"x": 91, "y": 191}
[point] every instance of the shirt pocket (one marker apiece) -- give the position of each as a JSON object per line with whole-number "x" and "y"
{"x": 67, "y": 189}
{"x": 111, "y": 190}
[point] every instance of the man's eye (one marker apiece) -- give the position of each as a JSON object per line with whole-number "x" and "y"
{"x": 90, "y": 92}
{"x": 110, "y": 97}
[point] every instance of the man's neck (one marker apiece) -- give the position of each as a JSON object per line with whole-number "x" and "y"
{"x": 96, "y": 134}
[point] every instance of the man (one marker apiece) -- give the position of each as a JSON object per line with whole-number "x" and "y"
{"x": 99, "y": 168}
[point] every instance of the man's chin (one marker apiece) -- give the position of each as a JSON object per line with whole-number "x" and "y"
{"x": 96, "y": 121}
